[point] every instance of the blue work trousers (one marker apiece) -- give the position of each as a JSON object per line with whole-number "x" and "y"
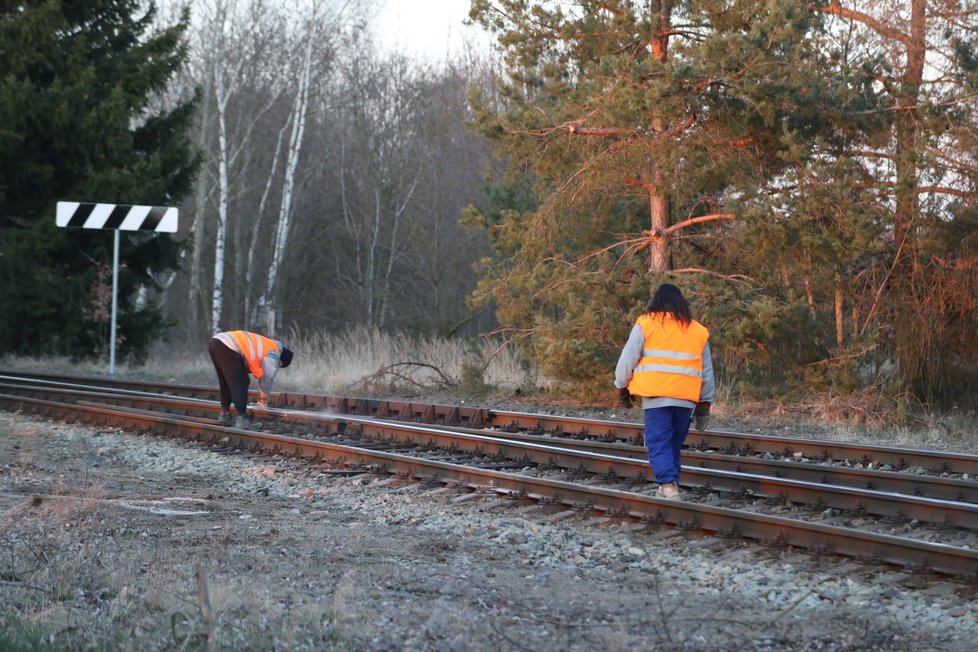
{"x": 665, "y": 432}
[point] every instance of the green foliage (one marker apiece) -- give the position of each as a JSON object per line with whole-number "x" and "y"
{"x": 59, "y": 283}
{"x": 596, "y": 120}
{"x": 77, "y": 86}
{"x": 837, "y": 256}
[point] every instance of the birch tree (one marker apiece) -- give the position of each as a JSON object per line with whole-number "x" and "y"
{"x": 231, "y": 50}
{"x": 259, "y": 65}
{"x": 300, "y": 105}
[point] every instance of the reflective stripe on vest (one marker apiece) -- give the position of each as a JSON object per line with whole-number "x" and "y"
{"x": 254, "y": 348}
{"x": 672, "y": 359}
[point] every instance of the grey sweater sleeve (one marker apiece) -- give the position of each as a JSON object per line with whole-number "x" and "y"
{"x": 269, "y": 369}
{"x": 708, "y": 388}
{"x": 631, "y": 353}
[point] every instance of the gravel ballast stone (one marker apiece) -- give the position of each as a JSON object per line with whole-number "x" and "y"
{"x": 121, "y": 540}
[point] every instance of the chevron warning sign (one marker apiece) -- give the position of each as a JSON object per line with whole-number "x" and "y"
{"x": 120, "y": 217}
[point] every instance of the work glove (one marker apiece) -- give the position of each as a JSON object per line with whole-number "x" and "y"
{"x": 624, "y": 398}
{"x": 701, "y": 415}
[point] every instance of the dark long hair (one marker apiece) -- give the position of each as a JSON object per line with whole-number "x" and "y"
{"x": 668, "y": 298}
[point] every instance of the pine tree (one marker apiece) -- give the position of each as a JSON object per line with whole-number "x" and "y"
{"x": 804, "y": 169}
{"x": 80, "y": 83}
{"x": 651, "y": 130}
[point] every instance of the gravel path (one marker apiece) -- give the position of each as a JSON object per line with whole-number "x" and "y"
{"x": 102, "y": 532}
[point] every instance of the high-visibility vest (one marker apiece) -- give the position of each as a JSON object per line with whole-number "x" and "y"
{"x": 671, "y": 365}
{"x": 254, "y": 348}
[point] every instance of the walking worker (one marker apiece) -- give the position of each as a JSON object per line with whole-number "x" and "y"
{"x": 235, "y": 354}
{"x": 666, "y": 361}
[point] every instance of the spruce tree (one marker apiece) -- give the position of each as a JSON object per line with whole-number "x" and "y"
{"x": 80, "y": 87}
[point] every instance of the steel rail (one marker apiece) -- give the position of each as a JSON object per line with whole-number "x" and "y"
{"x": 930, "y": 486}
{"x": 410, "y": 410}
{"x": 744, "y": 443}
{"x": 567, "y": 454}
{"x": 123, "y": 385}
{"x": 954, "y": 513}
{"x": 772, "y": 530}
{"x": 944, "y": 488}
{"x": 515, "y": 421}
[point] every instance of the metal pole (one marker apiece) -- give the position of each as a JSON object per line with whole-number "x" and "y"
{"x": 115, "y": 294}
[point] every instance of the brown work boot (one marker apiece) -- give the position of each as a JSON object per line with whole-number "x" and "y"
{"x": 669, "y": 491}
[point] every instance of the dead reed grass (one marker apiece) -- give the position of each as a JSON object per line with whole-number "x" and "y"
{"x": 360, "y": 360}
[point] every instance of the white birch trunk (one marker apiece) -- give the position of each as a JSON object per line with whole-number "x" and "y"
{"x": 372, "y": 257}
{"x": 292, "y": 161}
{"x": 253, "y": 244}
{"x": 217, "y": 297}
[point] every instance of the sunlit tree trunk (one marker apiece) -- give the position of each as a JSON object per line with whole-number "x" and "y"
{"x": 659, "y": 203}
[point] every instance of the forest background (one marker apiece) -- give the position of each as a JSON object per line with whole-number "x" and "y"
{"x": 805, "y": 172}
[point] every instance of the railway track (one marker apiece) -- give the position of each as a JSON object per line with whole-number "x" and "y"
{"x": 829, "y": 498}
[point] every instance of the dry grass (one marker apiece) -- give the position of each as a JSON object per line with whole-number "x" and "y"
{"x": 370, "y": 361}
{"x": 361, "y": 360}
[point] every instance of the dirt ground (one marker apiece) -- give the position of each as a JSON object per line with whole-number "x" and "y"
{"x": 118, "y": 541}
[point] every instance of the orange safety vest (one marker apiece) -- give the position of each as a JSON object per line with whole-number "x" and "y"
{"x": 672, "y": 360}
{"x": 254, "y": 348}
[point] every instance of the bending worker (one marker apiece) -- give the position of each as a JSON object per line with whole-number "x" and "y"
{"x": 235, "y": 354}
{"x": 667, "y": 363}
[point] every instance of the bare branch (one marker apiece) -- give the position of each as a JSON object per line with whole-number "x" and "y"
{"x": 694, "y": 220}
{"x": 739, "y": 278}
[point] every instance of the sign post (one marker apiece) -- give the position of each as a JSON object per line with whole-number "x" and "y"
{"x": 118, "y": 217}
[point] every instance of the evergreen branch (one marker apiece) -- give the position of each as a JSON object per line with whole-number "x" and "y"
{"x": 963, "y": 14}
{"x": 648, "y": 187}
{"x": 883, "y": 283}
{"x": 631, "y": 245}
{"x": 597, "y": 131}
{"x": 944, "y": 190}
{"x": 739, "y": 142}
{"x": 680, "y": 128}
{"x": 871, "y": 154}
{"x": 741, "y": 278}
{"x": 690, "y": 222}
{"x": 887, "y": 186}
{"x": 582, "y": 35}
{"x": 836, "y": 9}
{"x": 634, "y": 245}
{"x": 604, "y": 5}
{"x": 956, "y": 164}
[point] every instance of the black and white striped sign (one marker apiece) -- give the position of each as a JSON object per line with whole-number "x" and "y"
{"x": 117, "y": 216}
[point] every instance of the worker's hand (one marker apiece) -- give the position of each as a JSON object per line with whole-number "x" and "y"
{"x": 624, "y": 398}
{"x": 701, "y": 415}
{"x": 262, "y": 401}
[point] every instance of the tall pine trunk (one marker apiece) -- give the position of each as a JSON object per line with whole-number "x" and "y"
{"x": 659, "y": 202}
